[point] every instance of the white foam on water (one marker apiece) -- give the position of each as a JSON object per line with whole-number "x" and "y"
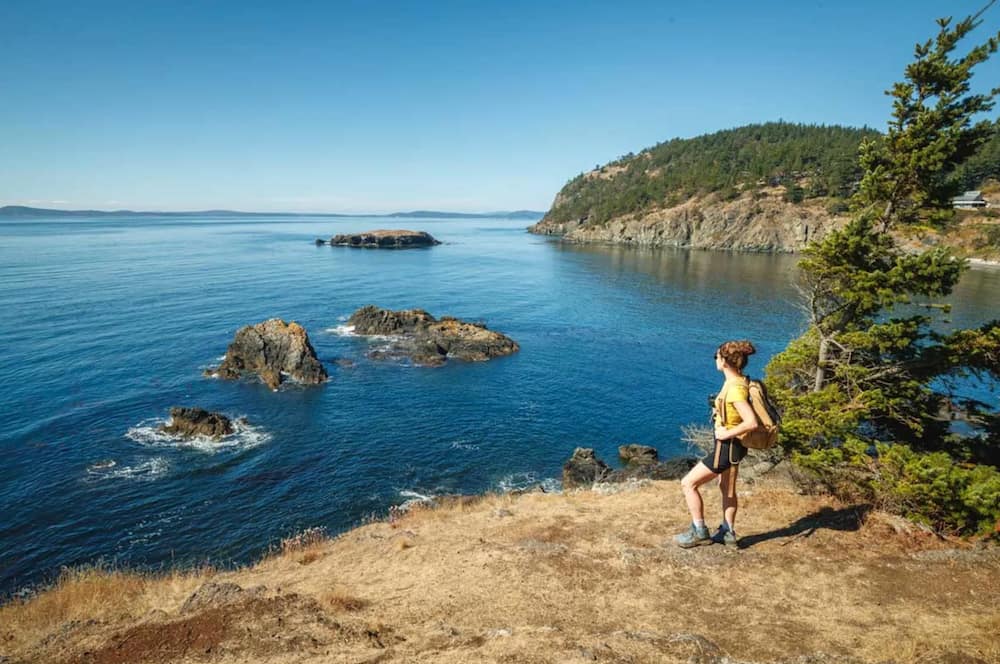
{"x": 349, "y": 331}
{"x": 413, "y": 498}
{"x": 413, "y": 495}
{"x": 150, "y": 469}
{"x": 525, "y": 481}
{"x": 244, "y": 437}
{"x": 465, "y": 445}
{"x": 343, "y": 331}
{"x": 212, "y": 365}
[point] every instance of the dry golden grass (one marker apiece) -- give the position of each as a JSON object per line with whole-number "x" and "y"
{"x": 564, "y": 578}
{"x": 340, "y": 601}
{"x": 93, "y": 595}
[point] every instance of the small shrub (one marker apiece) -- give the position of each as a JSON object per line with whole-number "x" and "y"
{"x": 929, "y": 488}
{"x": 989, "y": 237}
{"x": 837, "y": 206}
{"x": 794, "y": 193}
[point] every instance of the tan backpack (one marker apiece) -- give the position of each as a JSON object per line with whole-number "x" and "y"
{"x": 768, "y": 419}
{"x": 766, "y": 433}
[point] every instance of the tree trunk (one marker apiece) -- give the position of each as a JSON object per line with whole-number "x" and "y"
{"x": 821, "y": 365}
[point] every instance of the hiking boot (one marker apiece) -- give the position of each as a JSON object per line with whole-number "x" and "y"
{"x": 725, "y": 535}
{"x": 694, "y": 536}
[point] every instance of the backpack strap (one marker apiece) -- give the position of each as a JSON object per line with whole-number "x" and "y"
{"x": 720, "y": 404}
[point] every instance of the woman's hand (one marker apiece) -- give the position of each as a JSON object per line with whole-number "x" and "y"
{"x": 721, "y": 433}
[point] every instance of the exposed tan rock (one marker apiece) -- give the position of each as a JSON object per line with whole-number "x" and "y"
{"x": 273, "y": 350}
{"x": 765, "y": 224}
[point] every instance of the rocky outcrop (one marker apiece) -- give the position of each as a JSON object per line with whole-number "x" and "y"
{"x": 585, "y": 469}
{"x": 273, "y": 350}
{"x": 191, "y": 422}
{"x": 671, "y": 469}
{"x": 638, "y": 455}
{"x": 384, "y": 239}
{"x": 764, "y": 224}
{"x": 429, "y": 341}
{"x": 371, "y": 320}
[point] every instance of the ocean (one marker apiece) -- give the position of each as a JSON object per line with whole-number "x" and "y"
{"x": 108, "y": 322}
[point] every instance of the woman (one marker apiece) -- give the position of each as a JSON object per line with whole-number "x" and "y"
{"x": 734, "y": 416}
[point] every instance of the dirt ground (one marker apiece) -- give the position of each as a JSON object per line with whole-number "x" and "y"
{"x": 579, "y": 577}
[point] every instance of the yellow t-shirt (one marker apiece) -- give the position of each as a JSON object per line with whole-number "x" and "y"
{"x": 733, "y": 390}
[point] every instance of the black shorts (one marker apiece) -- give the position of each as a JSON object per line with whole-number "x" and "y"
{"x": 727, "y": 453}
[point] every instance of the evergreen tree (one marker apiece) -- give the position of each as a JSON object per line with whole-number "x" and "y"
{"x": 867, "y": 370}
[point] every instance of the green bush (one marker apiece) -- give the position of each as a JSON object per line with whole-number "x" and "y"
{"x": 929, "y": 488}
{"x": 989, "y": 236}
{"x": 794, "y": 193}
{"x": 837, "y": 206}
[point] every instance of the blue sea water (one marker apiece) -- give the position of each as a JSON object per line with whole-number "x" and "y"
{"x": 108, "y": 322}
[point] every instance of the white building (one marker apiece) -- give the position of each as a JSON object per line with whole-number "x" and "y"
{"x": 970, "y": 200}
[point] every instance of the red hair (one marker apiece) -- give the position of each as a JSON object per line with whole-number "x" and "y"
{"x": 735, "y": 353}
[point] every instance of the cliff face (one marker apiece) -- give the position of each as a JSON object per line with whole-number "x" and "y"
{"x": 764, "y": 223}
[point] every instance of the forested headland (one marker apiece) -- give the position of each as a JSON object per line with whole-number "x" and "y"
{"x": 774, "y": 186}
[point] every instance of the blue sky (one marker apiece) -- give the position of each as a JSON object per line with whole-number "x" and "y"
{"x": 384, "y": 106}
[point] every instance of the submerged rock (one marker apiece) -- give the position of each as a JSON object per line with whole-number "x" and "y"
{"x": 191, "y": 422}
{"x": 427, "y": 341}
{"x": 273, "y": 350}
{"x": 384, "y": 239}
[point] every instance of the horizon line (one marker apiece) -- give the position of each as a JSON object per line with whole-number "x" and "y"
{"x": 30, "y": 208}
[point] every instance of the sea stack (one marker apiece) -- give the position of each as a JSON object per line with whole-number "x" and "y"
{"x": 273, "y": 350}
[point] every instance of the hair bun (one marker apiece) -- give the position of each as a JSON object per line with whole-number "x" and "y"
{"x": 735, "y": 353}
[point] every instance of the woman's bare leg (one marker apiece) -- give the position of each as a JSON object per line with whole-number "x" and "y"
{"x": 694, "y": 479}
{"x": 727, "y": 484}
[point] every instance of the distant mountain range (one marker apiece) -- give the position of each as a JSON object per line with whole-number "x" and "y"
{"x": 22, "y": 211}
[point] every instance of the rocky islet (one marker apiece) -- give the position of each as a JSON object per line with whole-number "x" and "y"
{"x": 428, "y": 341}
{"x": 193, "y": 422}
{"x": 273, "y": 350}
{"x": 382, "y": 239}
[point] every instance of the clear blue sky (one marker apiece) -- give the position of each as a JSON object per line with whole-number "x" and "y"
{"x": 383, "y": 106}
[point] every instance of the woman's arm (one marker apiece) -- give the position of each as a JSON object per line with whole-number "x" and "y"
{"x": 749, "y": 422}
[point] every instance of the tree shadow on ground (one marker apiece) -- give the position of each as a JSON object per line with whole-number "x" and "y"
{"x": 845, "y": 519}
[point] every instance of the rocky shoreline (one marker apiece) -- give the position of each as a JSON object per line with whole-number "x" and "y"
{"x": 762, "y": 224}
